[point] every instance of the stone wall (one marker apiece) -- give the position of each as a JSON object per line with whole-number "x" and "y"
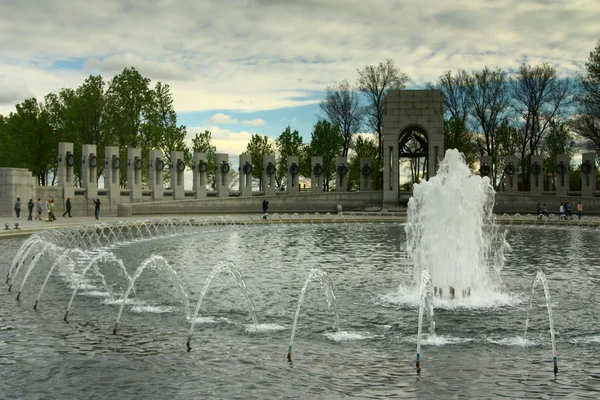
{"x": 283, "y": 203}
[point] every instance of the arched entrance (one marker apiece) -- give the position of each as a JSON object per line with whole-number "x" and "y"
{"x": 413, "y": 156}
{"x": 413, "y": 129}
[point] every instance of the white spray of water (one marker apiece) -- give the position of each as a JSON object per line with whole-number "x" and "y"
{"x": 451, "y": 231}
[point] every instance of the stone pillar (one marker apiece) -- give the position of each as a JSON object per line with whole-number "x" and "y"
{"x": 112, "y": 168}
{"x": 245, "y": 171}
{"x": 588, "y": 174}
{"x": 293, "y": 175}
{"x": 89, "y": 167}
{"x": 391, "y": 174}
{"x": 177, "y": 175}
{"x": 486, "y": 168}
{"x": 222, "y": 169}
{"x": 16, "y": 182}
{"x": 269, "y": 171}
{"x": 317, "y": 179}
{"x": 199, "y": 169}
{"x": 561, "y": 175}
{"x": 341, "y": 174}
{"x": 511, "y": 174}
{"x": 156, "y": 165}
{"x": 366, "y": 174}
{"x": 134, "y": 174}
{"x": 65, "y": 172}
{"x": 536, "y": 178}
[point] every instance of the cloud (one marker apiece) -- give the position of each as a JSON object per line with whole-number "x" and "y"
{"x": 288, "y": 120}
{"x": 148, "y": 68}
{"x": 254, "y": 122}
{"x": 13, "y": 90}
{"x": 226, "y": 141}
{"x": 263, "y": 61}
{"x": 221, "y": 119}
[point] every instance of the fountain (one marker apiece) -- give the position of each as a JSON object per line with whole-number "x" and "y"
{"x": 450, "y": 256}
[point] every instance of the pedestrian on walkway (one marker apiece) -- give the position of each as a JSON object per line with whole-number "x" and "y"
{"x": 39, "y": 209}
{"x": 97, "y": 208}
{"x": 68, "y": 205}
{"x": 30, "y": 206}
{"x": 18, "y": 207}
{"x": 579, "y": 209}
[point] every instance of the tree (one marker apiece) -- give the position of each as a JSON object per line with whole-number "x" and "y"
{"x": 558, "y": 141}
{"x": 127, "y": 97}
{"x": 457, "y": 136}
{"x": 539, "y": 97}
{"x": 374, "y": 81}
{"x": 342, "y": 108}
{"x": 457, "y": 103}
{"x": 326, "y": 141}
{"x": 31, "y": 141}
{"x": 257, "y": 148}
{"x": 363, "y": 147}
{"x": 587, "y": 123}
{"x": 159, "y": 129}
{"x": 487, "y": 93}
{"x": 289, "y": 143}
{"x": 201, "y": 143}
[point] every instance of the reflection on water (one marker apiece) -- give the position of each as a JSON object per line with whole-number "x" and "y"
{"x": 478, "y": 350}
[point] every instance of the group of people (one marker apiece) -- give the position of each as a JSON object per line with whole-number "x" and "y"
{"x": 50, "y": 208}
{"x": 564, "y": 210}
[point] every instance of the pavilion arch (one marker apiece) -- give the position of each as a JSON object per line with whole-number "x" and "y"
{"x": 411, "y": 116}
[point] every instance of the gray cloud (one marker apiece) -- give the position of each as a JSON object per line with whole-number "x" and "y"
{"x": 261, "y": 54}
{"x": 13, "y": 90}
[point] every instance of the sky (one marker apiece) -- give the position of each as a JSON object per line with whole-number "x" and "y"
{"x": 240, "y": 67}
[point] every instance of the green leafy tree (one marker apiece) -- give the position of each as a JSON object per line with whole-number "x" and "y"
{"x": 257, "y": 148}
{"x": 127, "y": 97}
{"x": 557, "y": 141}
{"x": 457, "y": 136}
{"x": 201, "y": 143}
{"x": 363, "y": 147}
{"x": 375, "y": 81}
{"x": 289, "y": 143}
{"x": 326, "y": 141}
{"x": 31, "y": 141}
{"x": 159, "y": 129}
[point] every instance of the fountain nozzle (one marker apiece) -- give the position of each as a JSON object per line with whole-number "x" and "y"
{"x": 115, "y": 328}
{"x": 189, "y": 348}
{"x": 18, "y": 295}
{"x": 65, "y": 318}
{"x": 35, "y": 305}
{"x": 555, "y": 360}
{"x": 9, "y": 287}
{"x": 418, "y": 364}
{"x": 289, "y": 355}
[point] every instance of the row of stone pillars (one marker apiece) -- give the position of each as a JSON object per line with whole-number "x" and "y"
{"x": 177, "y": 166}
{"x": 561, "y": 173}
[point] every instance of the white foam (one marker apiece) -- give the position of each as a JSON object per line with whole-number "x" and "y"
{"x": 119, "y": 301}
{"x": 211, "y": 320}
{"x": 437, "y": 340}
{"x": 477, "y": 300}
{"x": 345, "y": 336}
{"x": 93, "y": 293}
{"x": 251, "y": 328}
{"x": 151, "y": 309}
{"x": 516, "y": 341}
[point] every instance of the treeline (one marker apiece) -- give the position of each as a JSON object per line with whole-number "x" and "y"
{"x": 533, "y": 111}
{"x": 530, "y": 111}
{"x": 125, "y": 111}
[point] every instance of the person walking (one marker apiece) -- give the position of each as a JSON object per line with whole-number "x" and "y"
{"x": 30, "y": 206}
{"x": 68, "y": 205}
{"x": 52, "y": 210}
{"x": 265, "y": 207}
{"x": 97, "y": 208}
{"x": 39, "y": 209}
{"x": 47, "y": 205}
{"x": 579, "y": 209}
{"x": 18, "y": 207}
